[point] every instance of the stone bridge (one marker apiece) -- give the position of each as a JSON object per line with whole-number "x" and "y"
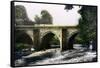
{"x": 36, "y": 33}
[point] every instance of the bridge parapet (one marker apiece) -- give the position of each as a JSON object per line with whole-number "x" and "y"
{"x": 18, "y": 27}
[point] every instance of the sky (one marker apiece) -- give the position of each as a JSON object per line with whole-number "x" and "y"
{"x": 60, "y": 15}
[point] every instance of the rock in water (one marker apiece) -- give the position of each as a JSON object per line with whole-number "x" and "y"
{"x": 20, "y": 62}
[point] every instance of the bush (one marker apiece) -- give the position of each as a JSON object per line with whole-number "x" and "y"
{"x": 20, "y": 46}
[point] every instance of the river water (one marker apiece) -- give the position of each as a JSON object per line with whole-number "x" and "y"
{"x": 54, "y": 56}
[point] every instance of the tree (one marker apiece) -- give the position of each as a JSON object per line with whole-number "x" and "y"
{"x": 87, "y": 24}
{"x": 68, "y": 7}
{"x": 21, "y": 16}
{"x": 20, "y": 12}
{"x": 45, "y": 18}
{"x": 37, "y": 19}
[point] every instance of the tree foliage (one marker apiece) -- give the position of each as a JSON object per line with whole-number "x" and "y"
{"x": 37, "y": 19}
{"x": 20, "y": 12}
{"x": 21, "y": 16}
{"x": 45, "y": 18}
{"x": 87, "y": 23}
{"x": 68, "y": 7}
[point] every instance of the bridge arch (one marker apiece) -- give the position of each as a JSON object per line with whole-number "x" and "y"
{"x": 71, "y": 40}
{"x": 24, "y": 38}
{"x": 45, "y": 33}
{"x": 48, "y": 39}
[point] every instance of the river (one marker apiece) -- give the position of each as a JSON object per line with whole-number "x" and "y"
{"x": 54, "y": 56}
